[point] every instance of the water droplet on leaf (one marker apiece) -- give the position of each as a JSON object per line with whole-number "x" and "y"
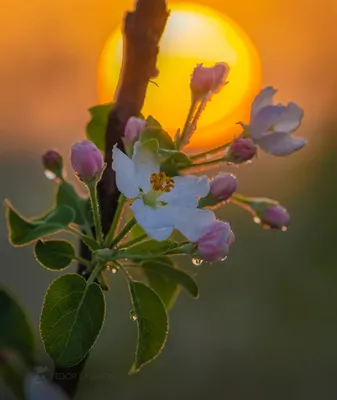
{"x": 257, "y": 220}
{"x": 114, "y": 270}
{"x": 133, "y": 316}
{"x": 197, "y": 261}
{"x": 50, "y": 175}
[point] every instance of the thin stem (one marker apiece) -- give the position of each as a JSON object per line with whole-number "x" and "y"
{"x": 109, "y": 237}
{"x": 98, "y": 268}
{"x": 126, "y": 229}
{"x": 95, "y": 212}
{"x": 240, "y": 198}
{"x": 187, "y": 123}
{"x": 134, "y": 241}
{"x": 212, "y": 151}
{"x": 124, "y": 270}
{"x": 206, "y": 163}
{"x": 83, "y": 261}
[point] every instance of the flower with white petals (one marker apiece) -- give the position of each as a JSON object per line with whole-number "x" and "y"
{"x": 161, "y": 203}
{"x": 271, "y": 126}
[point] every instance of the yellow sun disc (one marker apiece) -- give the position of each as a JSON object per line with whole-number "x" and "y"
{"x": 194, "y": 34}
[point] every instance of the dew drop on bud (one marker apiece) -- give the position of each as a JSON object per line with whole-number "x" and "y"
{"x": 49, "y": 175}
{"x": 284, "y": 228}
{"x": 197, "y": 261}
{"x": 133, "y": 316}
{"x": 257, "y": 220}
{"x": 114, "y": 270}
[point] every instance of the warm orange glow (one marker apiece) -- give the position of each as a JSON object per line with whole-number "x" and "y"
{"x": 194, "y": 34}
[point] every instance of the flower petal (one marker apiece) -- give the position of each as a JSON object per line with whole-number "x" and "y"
{"x": 290, "y": 119}
{"x": 281, "y": 144}
{"x": 126, "y": 179}
{"x": 193, "y": 223}
{"x": 157, "y": 223}
{"x": 186, "y": 190}
{"x": 146, "y": 163}
{"x": 263, "y": 99}
{"x": 265, "y": 120}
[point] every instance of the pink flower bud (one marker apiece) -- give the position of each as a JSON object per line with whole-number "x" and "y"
{"x": 241, "y": 150}
{"x": 214, "y": 245}
{"x": 275, "y": 216}
{"x": 87, "y": 160}
{"x": 223, "y": 186}
{"x": 205, "y": 80}
{"x": 134, "y": 128}
{"x": 52, "y": 161}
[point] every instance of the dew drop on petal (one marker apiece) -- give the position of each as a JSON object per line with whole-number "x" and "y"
{"x": 50, "y": 175}
{"x": 133, "y": 315}
{"x": 197, "y": 261}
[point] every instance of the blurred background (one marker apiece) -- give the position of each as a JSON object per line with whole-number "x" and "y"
{"x": 265, "y": 326}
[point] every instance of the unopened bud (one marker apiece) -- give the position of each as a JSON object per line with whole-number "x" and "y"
{"x": 205, "y": 80}
{"x": 134, "y": 128}
{"x": 241, "y": 150}
{"x": 214, "y": 245}
{"x": 52, "y": 161}
{"x": 223, "y": 186}
{"x": 86, "y": 160}
{"x": 274, "y": 216}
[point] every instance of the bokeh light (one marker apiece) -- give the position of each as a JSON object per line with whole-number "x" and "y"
{"x": 194, "y": 34}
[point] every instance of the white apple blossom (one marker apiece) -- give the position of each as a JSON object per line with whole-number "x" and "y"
{"x": 271, "y": 126}
{"x": 161, "y": 203}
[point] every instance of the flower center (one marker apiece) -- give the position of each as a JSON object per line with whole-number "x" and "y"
{"x": 161, "y": 183}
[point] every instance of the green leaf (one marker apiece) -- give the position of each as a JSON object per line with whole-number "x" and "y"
{"x": 16, "y": 332}
{"x": 151, "y": 248}
{"x": 167, "y": 289}
{"x": 90, "y": 242}
{"x": 54, "y": 254}
{"x": 67, "y": 195}
{"x": 155, "y": 132}
{"x": 96, "y": 127}
{"x": 161, "y": 267}
{"x": 23, "y": 231}
{"x": 152, "y": 324}
{"x": 175, "y": 157}
{"x": 71, "y": 319}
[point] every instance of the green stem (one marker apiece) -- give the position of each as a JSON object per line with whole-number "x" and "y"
{"x": 206, "y": 163}
{"x": 95, "y": 212}
{"x": 126, "y": 229}
{"x": 97, "y": 270}
{"x": 239, "y": 198}
{"x": 83, "y": 261}
{"x": 109, "y": 237}
{"x": 135, "y": 240}
{"x": 212, "y": 151}
{"x": 187, "y": 123}
{"x": 124, "y": 270}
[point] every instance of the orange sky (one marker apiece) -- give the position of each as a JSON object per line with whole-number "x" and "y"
{"x": 50, "y": 50}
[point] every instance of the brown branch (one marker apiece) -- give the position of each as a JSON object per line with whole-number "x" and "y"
{"x": 143, "y": 29}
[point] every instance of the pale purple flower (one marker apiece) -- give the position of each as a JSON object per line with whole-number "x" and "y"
{"x": 86, "y": 160}
{"x": 271, "y": 126}
{"x": 214, "y": 245}
{"x": 223, "y": 186}
{"x": 134, "y": 128}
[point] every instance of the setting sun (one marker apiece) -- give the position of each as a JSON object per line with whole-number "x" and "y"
{"x": 194, "y": 35}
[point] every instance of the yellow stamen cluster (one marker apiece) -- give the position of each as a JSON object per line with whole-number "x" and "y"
{"x": 161, "y": 182}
